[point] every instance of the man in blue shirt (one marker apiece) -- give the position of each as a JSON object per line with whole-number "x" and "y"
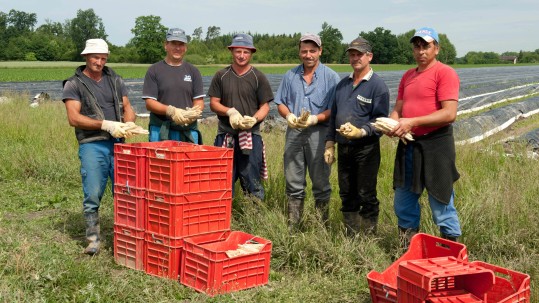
{"x": 302, "y": 98}
{"x": 358, "y": 100}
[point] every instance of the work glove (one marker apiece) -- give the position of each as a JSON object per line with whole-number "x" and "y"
{"x": 131, "y": 129}
{"x": 247, "y": 122}
{"x": 306, "y": 119}
{"x": 116, "y": 129}
{"x": 329, "y": 153}
{"x": 177, "y": 115}
{"x": 192, "y": 114}
{"x": 351, "y": 132}
{"x": 292, "y": 120}
{"x": 235, "y": 118}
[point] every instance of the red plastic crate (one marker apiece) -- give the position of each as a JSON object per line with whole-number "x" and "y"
{"x": 162, "y": 256}
{"x": 129, "y": 247}
{"x": 383, "y": 286}
{"x": 420, "y": 279}
{"x": 130, "y": 207}
{"x": 509, "y": 287}
{"x": 130, "y": 161}
{"x": 208, "y": 269}
{"x": 190, "y": 169}
{"x": 454, "y": 297}
{"x": 188, "y": 215}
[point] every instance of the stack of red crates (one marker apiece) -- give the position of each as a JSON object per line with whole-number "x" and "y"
{"x": 168, "y": 192}
{"x": 437, "y": 270}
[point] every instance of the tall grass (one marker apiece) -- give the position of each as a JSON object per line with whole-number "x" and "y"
{"x": 43, "y": 234}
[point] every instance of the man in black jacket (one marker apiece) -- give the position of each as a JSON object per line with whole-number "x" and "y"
{"x": 97, "y": 106}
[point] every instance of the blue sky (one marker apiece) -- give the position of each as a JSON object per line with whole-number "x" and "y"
{"x": 474, "y": 25}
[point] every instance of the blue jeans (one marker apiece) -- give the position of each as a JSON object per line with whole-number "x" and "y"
{"x": 408, "y": 210}
{"x": 97, "y": 166}
{"x": 172, "y": 134}
{"x": 247, "y": 167}
{"x": 304, "y": 150}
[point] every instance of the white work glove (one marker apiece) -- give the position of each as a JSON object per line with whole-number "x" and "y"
{"x": 116, "y": 129}
{"x": 306, "y": 119}
{"x": 177, "y": 115}
{"x": 234, "y": 118}
{"x": 351, "y": 132}
{"x": 247, "y": 122}
{"x": 131, "y": 129}
{"x": 329, "y": 153}
{"x": 292, "y": 120}
{"x": 192, "y": 114}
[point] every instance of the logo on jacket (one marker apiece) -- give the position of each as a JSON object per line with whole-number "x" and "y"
{"x": 363, "y": 99}
{"x": 187, "y": 78}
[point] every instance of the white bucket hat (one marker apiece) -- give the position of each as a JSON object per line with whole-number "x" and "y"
{"x": 96, "y": 46}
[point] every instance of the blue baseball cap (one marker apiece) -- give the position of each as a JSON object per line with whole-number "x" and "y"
{"x": 242, "y": 41}
{"x": 176, "y": 34}
{"x": 426, "y": 33}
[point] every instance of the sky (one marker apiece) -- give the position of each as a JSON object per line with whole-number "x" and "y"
{"x": 473, "y": 25}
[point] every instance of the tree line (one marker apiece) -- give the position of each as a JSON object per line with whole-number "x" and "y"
{"x": 55, "y": 41}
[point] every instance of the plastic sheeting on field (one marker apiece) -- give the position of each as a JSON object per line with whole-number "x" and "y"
{"x": 483, "y": 125}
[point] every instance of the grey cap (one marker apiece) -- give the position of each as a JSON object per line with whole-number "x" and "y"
{"x": 176, "y": 34}
{"x": 242, "y": 41}
{"x": 360, "y": 44}
{"x": 311, "y": 37}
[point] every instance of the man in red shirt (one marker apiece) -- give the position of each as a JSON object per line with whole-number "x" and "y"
{"x": 426, "y": 106}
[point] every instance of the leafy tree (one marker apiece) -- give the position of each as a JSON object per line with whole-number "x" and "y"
{"x": 384, "y": 45}
{"x": 149, "y": 36}
{"x": 405, "y": 54}
{"x": 332, "y": 49}
{"x": 20, "y": 23}
{"x": 87, "y": 25}
{"x": 447, "y": 53}
{"x": 213, "y": 32}
{"x": 197, "y": 33}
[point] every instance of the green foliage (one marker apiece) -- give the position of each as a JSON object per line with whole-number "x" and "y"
{"x": 149, "y": 38}
{"x": 384, "y": 45}
{"x": 87, "y": 25}
{"x": 447, "y": 53}
{"x": 331, "y": 43}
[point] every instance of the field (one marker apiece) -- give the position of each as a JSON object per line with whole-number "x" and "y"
{"x": 42, "y": 227}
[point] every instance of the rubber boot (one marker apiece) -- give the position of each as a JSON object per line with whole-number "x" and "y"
{"x": 405, "y": 236}
{"x": 322, "y": 207}
{"x": 450, "y": 238}
{"x": 295, "y": 212}
{"x": 369, "y": 225}
{"x": 351, "y": 222}
{"x": 92, "y": 233}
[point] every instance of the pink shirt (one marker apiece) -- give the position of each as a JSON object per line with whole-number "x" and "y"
{"x": 422, "y": 92}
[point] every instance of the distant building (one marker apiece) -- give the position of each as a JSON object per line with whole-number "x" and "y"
{"x": 509, "y": 58}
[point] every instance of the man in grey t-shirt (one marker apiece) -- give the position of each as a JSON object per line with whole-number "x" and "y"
{"x": 174, "y": 93}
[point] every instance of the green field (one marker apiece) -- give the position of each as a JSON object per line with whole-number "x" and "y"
{"x": 22, "y": 71}
{"x": 42, "y": 226}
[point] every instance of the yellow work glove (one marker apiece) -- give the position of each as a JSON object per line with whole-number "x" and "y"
{"x": 329, "y": 153}
{"x": 116, "y": 129}
{"x": 177, "y": 115}
{"x": 247, "y": 122}
{"x": 192, "y": 114}
{"x": 234, "y": 118}
{"x": 131, "y": 129}
{"x": 351, "y": 132}
{"x": 292, "y": 120}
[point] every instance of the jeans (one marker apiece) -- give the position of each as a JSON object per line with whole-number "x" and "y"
{"x": 358, "y": 176}
{"x": 172, "y": 134}
{"x": 304, "y": 151}
{"x": 247, "y": 167}
{"x": 408, "y": 210}
{"x": 97, "y": 166}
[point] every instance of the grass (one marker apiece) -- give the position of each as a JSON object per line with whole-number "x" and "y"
{"x": 24, "y": 71}
{"x": 42, "y": 226}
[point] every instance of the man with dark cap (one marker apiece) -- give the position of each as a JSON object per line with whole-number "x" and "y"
{"x": 426, "y": 106}
{"x": 358, "y": 100}
{"x": 305, "y": 90}
{"x": 240, "y": 96}
{"x": 174, "y": 93}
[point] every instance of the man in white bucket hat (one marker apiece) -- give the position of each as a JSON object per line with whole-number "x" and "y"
{"x": 98, "y": 108}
